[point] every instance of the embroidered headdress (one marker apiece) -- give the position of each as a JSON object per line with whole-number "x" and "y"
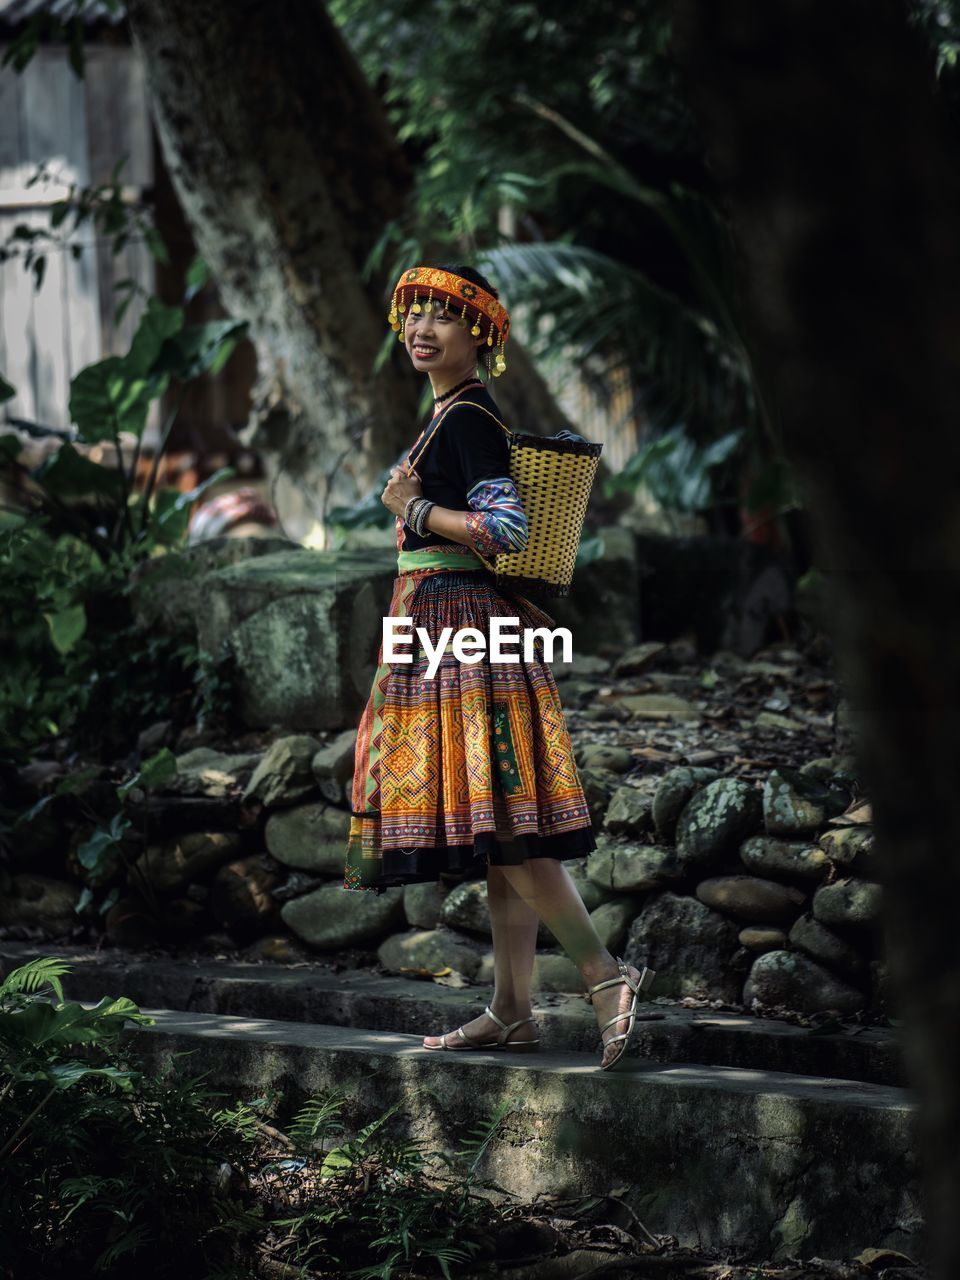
{"x": 416, "y": 290}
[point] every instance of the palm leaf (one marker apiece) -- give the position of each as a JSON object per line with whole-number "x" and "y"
{"x": 603, "y": 312}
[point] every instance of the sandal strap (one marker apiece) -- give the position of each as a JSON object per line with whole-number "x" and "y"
{"x": 507, "y": 1027}
{"x": 624, "y": 976}
{"x": 501, "y": 1038}
{"x": 610, "y": 982}
{"x": 490, "y": 1014}
{"x": 627, "y": 1013}
{"x": 630, "y": 1014}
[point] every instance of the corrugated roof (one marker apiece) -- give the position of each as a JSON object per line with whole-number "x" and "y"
{"x": 12, "y": 11}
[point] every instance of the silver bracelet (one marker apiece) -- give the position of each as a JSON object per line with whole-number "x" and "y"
{"x": 410, "y": 511}
{"x": 422, "y": 517}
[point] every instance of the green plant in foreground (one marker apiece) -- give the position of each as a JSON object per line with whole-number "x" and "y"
{"x": 401, "y": 1209}
{"x": 105, "y": 1167}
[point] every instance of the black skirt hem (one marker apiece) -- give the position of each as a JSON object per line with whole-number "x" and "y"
{"x": 421, "y": 865}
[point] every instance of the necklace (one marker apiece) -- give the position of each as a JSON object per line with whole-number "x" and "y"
{"x": 459, "y": 387}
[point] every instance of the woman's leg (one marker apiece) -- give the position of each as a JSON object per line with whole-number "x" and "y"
{"x": 546, "y": 886}
{"x": 514, "y": 923}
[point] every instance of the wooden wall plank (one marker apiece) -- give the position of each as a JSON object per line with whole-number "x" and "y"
{"x": 118, "y": 116}
{"x": 45, "y": 106}
{"x": 19, "y": 340}
{"x": 81, "y": 303}
{"x": 11, "y": 143}
{"x": 52, "y": 375}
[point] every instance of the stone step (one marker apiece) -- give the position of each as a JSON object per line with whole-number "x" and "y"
{"x": 768, "y": 1163}
{"x": 316, "y": 993}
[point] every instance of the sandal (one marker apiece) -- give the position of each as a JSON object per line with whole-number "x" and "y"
{"x": 501, "y": 1042}
{"x": 641, "y": 984}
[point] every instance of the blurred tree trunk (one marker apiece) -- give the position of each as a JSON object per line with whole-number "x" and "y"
{"x": 823, "y": 130}
{"x": 287, "y": 170}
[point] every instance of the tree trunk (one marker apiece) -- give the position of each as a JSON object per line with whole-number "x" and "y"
{"x": 287, "y": 170}
{"x": 285, "y": 166}
{"x": 822, "y": 129}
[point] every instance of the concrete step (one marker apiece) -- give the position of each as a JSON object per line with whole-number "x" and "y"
{"x": 316, "y": 993}
{"x": 771, "y": 1164}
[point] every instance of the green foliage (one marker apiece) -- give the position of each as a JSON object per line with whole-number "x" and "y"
{"x": 450, "y": 73}
{"x": 76, "y": 659}
{"x": 109, "y": 1169}
{"x": 104, "y": 1166}
{"x": 573, "y": 119}
{"x": 369, "y": 513}
{"x": 400, "y": 1211}
{"x": 215, "y": 686}
{"x": 939, "y": 22}
{"x": 113, "y": 396}
{"x": 675, "y": 470}
{"x": 685, "y": 360}
{"x": 102, "y": 857}
{"x": 591, "y": 548}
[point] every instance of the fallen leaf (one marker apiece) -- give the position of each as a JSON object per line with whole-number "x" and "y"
{"x": 454, "y": 979}
{"x": 858, "y": 813}
{"x": 424, "y": 973}
{"x": 871, "y": 1257}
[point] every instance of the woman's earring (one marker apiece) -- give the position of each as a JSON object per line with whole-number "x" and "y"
{"x": 501, "y": 363}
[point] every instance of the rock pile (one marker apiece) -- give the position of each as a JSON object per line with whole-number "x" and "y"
{"x": 761, "y": 895}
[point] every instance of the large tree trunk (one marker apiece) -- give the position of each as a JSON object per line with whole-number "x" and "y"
{"x": 822, "y": 129}
{"x": 286, "y": 167}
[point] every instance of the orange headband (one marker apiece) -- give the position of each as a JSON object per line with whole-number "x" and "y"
{"x": 450, "y": 287}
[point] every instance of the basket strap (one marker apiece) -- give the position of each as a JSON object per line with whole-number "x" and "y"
{"x": 456, "y": 404}
{"x": 489, "y": 564}
{"x": 483, "y": 410}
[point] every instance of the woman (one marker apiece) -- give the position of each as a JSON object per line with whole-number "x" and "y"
{"x": 474, "y": 767}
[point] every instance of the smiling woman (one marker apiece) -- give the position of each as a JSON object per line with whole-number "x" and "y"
{"x": 465, "y": 764}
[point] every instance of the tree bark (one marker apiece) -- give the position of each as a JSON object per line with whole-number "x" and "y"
{"x": 823, "y": 132}
{"x": 287, "y": 169}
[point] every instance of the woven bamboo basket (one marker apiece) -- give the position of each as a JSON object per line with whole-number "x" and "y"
{"x": 554, "y": 479}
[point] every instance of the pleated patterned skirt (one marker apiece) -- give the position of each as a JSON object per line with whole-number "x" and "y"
{"x": 473, "y": 766}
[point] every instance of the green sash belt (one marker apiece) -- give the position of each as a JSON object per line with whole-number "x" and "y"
{"x": 425, "y": 558}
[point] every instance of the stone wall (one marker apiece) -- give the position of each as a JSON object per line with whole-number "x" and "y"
{"x": 760, "y": 896}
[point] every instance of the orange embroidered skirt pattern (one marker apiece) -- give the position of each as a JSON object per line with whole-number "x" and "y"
{"x": 472, "y": 766}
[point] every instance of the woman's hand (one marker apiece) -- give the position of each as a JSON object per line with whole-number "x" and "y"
{"x": 400, "y": 488}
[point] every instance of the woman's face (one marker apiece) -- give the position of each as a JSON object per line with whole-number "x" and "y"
{"x": 435, "y": 340}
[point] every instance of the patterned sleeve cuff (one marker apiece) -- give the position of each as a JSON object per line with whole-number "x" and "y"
{"x": 497, "y": 522}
